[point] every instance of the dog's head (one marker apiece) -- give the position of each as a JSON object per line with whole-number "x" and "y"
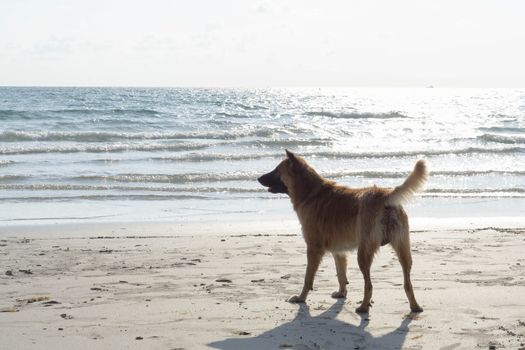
{"x": 282, "y": 178}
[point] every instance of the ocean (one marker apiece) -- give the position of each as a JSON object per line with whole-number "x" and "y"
{"x": 71, "y": 155}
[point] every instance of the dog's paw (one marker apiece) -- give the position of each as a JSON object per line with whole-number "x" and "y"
{"x": 339, "y": 295}
{"x": 296, "y": 299}
{"x": 362, "y": 310}
{"x": 416, "y": 309}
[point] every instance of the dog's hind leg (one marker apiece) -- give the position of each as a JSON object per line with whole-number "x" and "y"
{"x": 365, "y": 256}
{"x": 341, "y": 263}
{"x": 314, "y": 255}
{"x": 402, "y": 249}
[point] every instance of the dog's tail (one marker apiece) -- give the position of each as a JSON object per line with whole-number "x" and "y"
{"x": 413, "y": 184}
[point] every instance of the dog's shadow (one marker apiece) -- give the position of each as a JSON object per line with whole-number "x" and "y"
{"x": 319, "y": 332}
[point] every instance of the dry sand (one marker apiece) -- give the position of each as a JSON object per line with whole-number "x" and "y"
{"x": 228, "y": 292}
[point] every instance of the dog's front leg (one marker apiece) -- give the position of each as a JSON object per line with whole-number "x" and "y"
{"x": 314, "y": 257}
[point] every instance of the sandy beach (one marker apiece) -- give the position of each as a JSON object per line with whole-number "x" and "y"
{"x": 133, "y": 290}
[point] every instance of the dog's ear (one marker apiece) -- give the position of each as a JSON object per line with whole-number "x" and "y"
{"x": 290, "y": 156}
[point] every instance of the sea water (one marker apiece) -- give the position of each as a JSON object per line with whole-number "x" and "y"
{"x": 193, "y": 155}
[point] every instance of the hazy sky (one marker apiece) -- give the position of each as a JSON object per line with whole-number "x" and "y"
{"x": 459, "y": 43}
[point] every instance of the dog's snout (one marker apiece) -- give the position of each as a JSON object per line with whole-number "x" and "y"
{"x": 273, "y": 181}
{"x": 266, "y": 179}
{"x": 261, "y": 180}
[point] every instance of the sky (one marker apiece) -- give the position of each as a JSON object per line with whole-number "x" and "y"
{"x": 262, "y": 43}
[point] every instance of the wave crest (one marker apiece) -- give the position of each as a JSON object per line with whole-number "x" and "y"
{"x": 108, "y": 148}
{"x": 357, "y": 115}
{"x": 105, "y": 136}
{"x": 505, "y": 139}
{"x": 171, "y": 178}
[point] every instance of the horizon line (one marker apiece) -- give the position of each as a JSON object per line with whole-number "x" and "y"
{"x": 257, "y": 87}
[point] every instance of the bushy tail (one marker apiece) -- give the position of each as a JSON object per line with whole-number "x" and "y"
{"x": 413, "y": 184}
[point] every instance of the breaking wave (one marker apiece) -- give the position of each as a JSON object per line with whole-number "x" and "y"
{"x": 171, "y": 178}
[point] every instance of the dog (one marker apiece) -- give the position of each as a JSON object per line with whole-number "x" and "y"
{"x": 338, "y": 219}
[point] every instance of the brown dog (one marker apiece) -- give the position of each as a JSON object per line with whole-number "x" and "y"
{"x": 338, "y": 219}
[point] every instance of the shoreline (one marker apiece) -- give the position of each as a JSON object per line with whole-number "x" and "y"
{"x": 264, "y": 225}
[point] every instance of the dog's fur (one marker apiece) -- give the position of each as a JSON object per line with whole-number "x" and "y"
{"x": 338, "y": 219}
